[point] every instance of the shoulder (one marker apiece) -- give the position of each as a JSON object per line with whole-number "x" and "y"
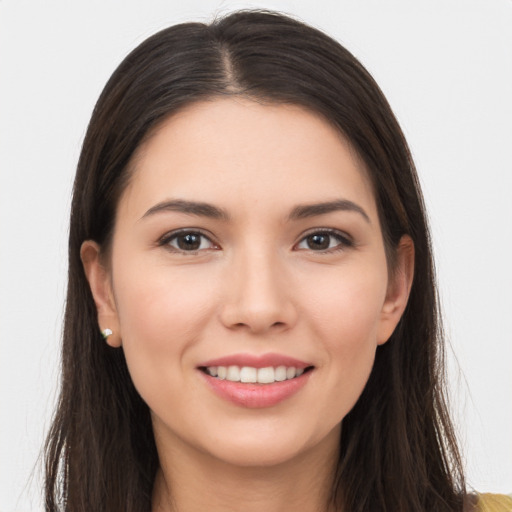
{"x": 494, "y": 503}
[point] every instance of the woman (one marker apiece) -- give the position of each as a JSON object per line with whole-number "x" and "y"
{"x": 248, "y": 234}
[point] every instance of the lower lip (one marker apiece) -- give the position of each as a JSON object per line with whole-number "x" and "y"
{"x": 256, "y": 395}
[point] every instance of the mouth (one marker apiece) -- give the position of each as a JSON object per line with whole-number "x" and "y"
{"x": 253, "y": 381}
{"x": 253, "y": 375}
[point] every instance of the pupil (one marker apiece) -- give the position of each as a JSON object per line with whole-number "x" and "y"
{"x": 318, "y": 241}
{"x": 189, "y": 242}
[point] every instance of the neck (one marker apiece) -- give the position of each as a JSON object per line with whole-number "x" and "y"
{"x": 189, "y": 481}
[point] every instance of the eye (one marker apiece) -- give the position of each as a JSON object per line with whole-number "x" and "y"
{"x": 324, "y": 241}
{"x": 188, "y": 241}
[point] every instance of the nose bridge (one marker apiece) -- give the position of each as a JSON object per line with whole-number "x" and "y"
{"x": 257, "y": 296}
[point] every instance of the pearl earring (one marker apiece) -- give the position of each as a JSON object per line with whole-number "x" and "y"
{"x": 106, "y": 333}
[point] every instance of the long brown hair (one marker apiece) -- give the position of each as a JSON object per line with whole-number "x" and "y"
{"x": 398, "y": 449}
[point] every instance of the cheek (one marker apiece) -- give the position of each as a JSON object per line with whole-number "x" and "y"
{"x": 346, "y": 320}
{"x": 161, "y": 315}
{"x": 346, "y": 308}
{"x": 160, "y": 309}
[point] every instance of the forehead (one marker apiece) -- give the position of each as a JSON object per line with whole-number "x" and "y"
{"x": 241, "y": 153}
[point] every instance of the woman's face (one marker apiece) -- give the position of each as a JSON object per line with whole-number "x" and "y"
{"x": 247, "y": 246}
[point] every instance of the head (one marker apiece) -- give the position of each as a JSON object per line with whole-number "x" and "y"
{"x": 264, "y": 71}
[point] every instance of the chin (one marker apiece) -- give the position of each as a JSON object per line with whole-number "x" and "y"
{"x": 266, "y": 447}
{"x": 259, "y": 453}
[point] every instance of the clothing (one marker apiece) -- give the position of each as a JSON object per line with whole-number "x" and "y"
{"x": 494, "y": 503}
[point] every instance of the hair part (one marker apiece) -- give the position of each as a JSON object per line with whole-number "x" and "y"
{"x": 398, "y": 450}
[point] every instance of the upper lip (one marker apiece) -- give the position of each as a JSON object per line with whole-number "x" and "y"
{"x": 256, "y": 361}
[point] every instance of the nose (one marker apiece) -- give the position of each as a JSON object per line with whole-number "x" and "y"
{"x": 258, "y": 296}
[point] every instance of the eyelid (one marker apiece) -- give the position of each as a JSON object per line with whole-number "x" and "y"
{"x": 345, "y": 240}
{"x": 167, "y": 237}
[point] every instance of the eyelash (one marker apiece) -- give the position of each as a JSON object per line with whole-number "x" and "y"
{"x": 174, "y": 235}
{"x": 344, "y": 241}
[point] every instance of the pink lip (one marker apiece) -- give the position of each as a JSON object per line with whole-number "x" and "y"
{"x": 256, "y": 395}
{"x": 262, "y": 361}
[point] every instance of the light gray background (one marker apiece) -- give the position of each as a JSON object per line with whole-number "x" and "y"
{"x": 446, "y": 68}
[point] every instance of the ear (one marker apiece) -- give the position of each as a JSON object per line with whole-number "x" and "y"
{"x": 101, "y": 288}
{"x": 399, "y": 287}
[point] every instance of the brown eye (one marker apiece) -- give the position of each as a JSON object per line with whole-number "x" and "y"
{"x": 188, "y": 241}
{"x": 318, "y": 242}
{"x": 324, "y": 241}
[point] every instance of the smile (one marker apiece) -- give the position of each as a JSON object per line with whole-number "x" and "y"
{"x": 256, "y": 381}
{"x": 252, "y": 375}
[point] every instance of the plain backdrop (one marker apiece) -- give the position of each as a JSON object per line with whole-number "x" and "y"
{"x": 446, "y": 68}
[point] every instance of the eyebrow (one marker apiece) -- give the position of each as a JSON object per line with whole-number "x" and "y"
{"x": 299, "y": 212}
{"x": 313, "y": 210}
{"x": 190, "y": 207}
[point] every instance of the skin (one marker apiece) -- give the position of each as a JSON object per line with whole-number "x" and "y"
{"x": 255, "y": 285}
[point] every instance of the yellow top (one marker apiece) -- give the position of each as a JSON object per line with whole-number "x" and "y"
{"x": 494, "y": 503}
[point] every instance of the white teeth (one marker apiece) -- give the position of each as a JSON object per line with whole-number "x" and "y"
{"x": 233, "y": 374}
{"x": 212, "y": 370}
{"x": 248, "y": 374}
{"x": 266, "y": 375}
{"x": 290, "y": 372}
{"x": 280, "y": 373}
